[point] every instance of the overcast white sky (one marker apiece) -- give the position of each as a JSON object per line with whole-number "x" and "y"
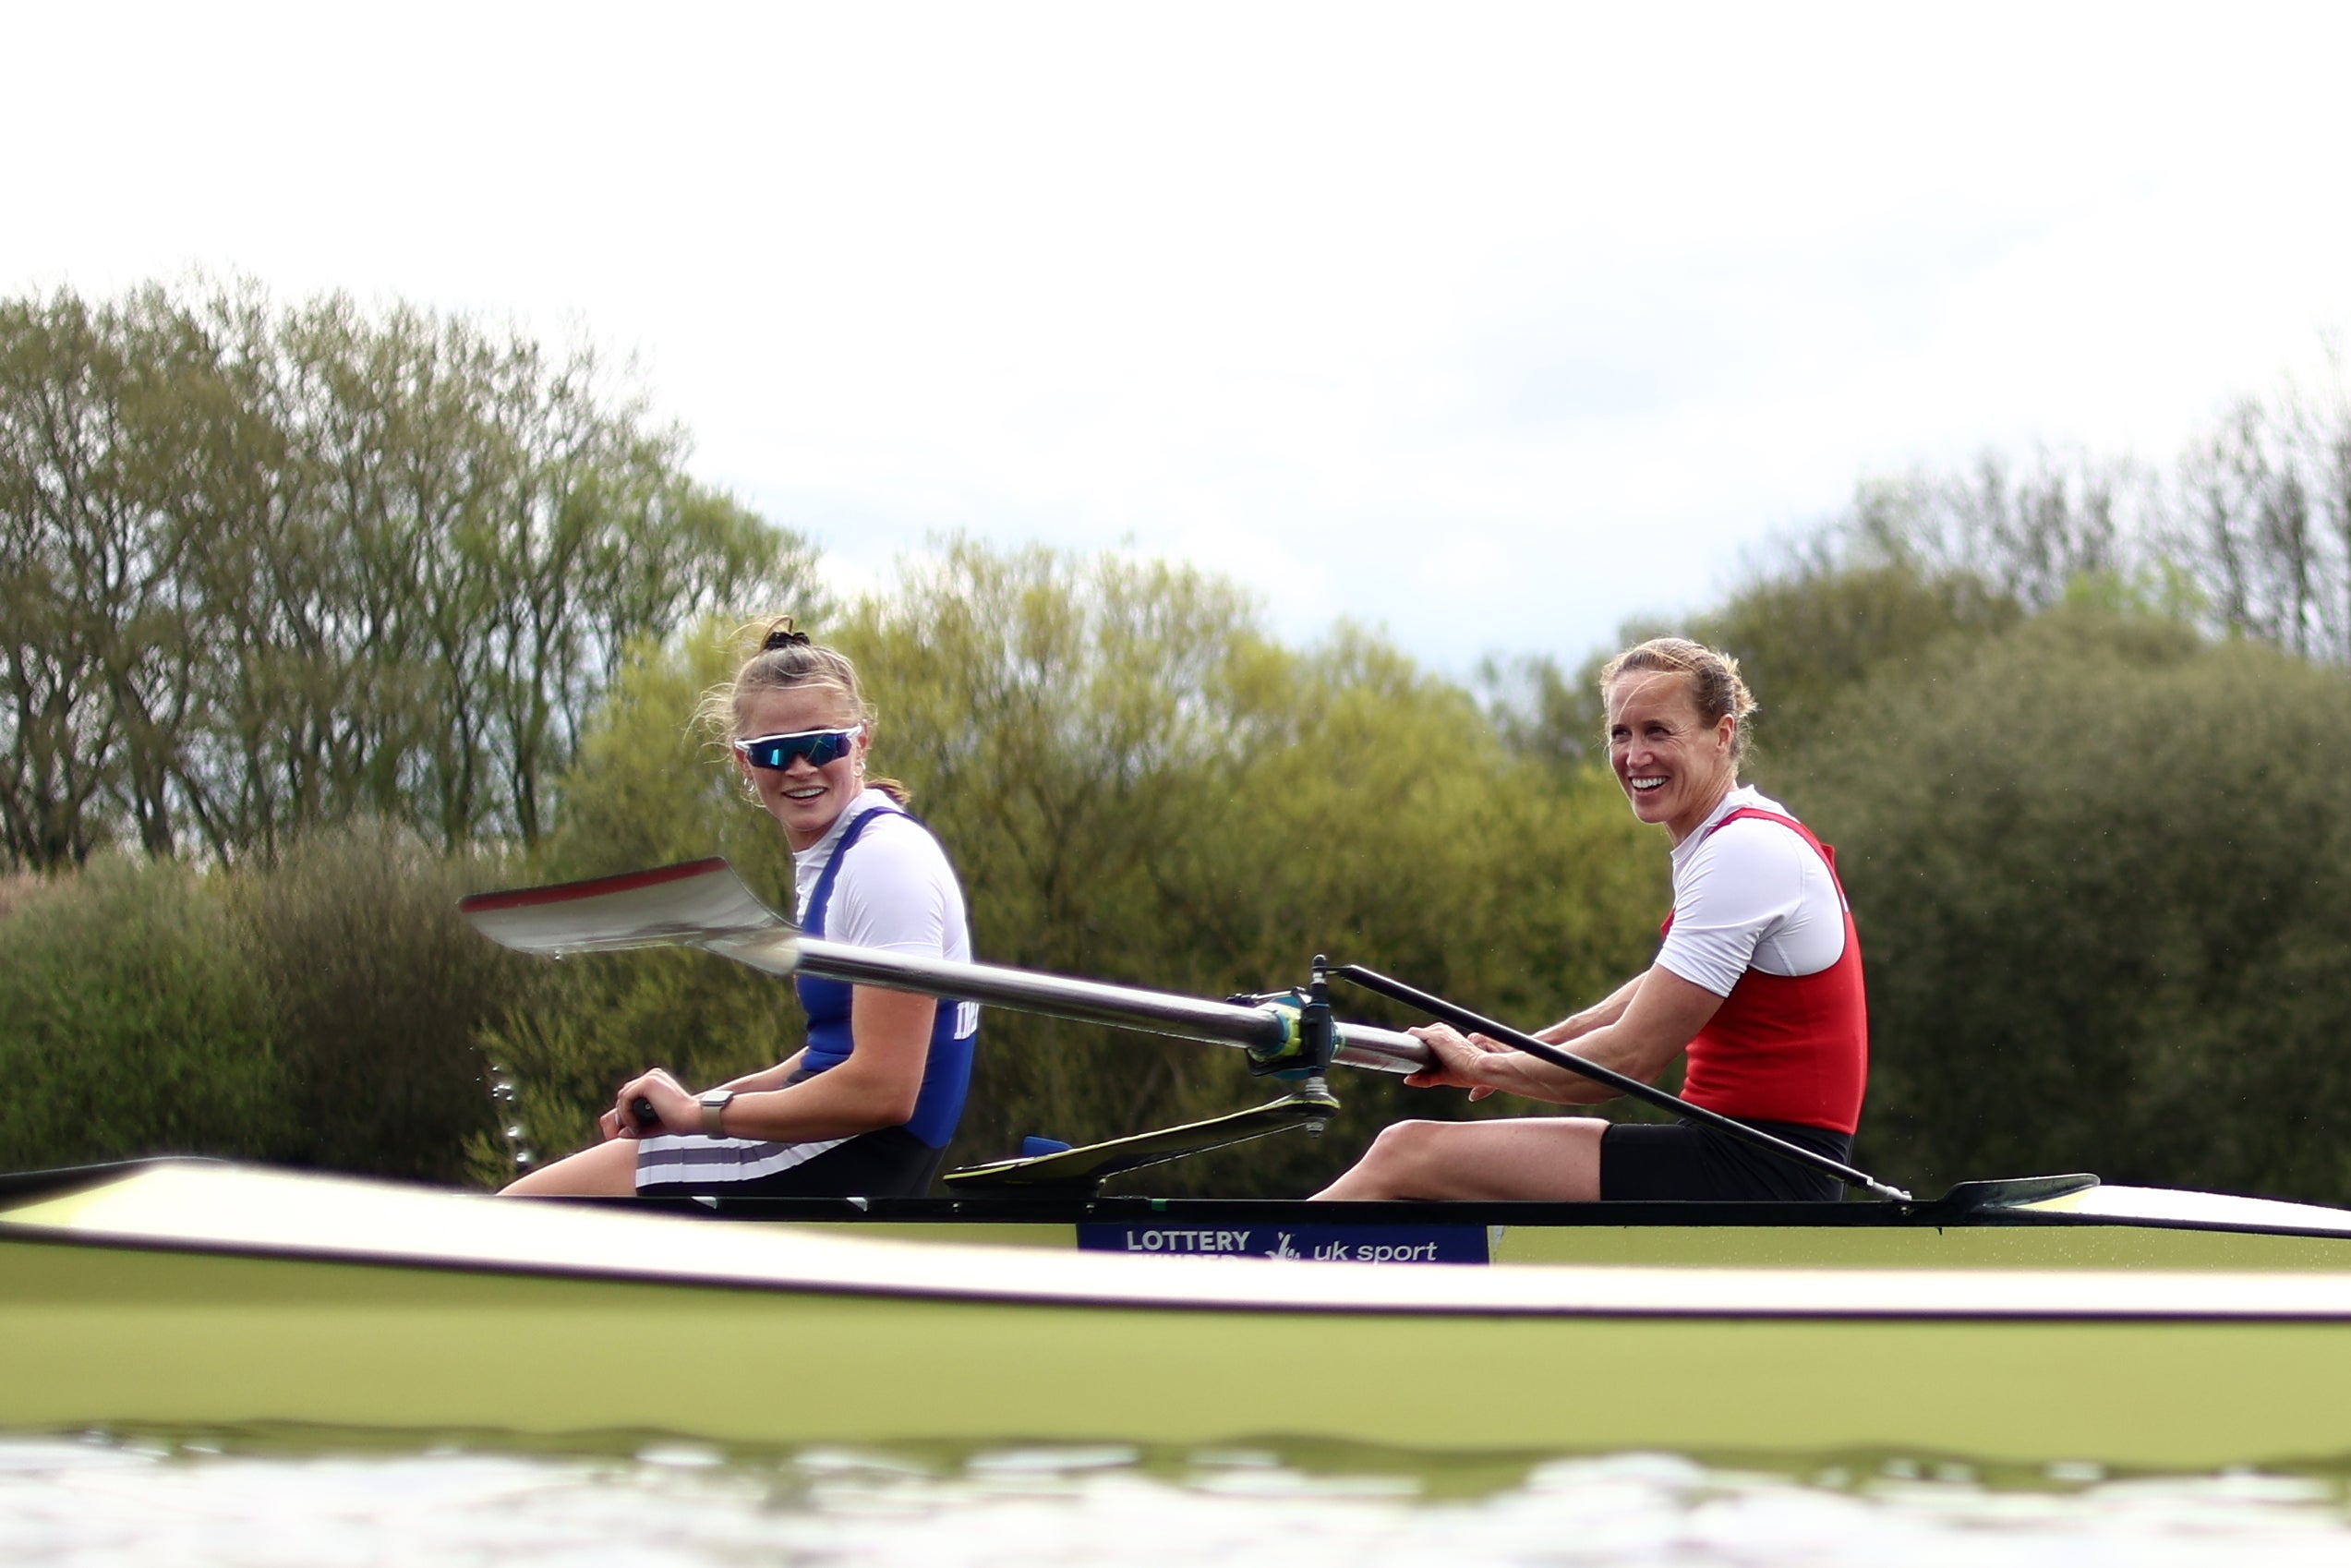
{"x": 1495, "y": 325}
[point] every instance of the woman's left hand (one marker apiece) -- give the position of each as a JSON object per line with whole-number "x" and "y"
{"x": 677, "y": 1110}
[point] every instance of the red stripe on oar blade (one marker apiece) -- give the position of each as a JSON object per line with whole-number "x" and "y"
{"x": 698, "y": 904}
{"x": 595, "y": 887}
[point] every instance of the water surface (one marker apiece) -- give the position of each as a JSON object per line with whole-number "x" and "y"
{"x": 320, "y": 1501}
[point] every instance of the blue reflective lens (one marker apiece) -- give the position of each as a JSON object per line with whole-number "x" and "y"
{"x": 777, "y": 753}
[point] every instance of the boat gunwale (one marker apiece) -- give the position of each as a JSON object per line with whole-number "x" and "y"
{"x": 63, "y": 1181}
{"x": 1614, "y": 1215}
{"x": 2146, "y": 1315}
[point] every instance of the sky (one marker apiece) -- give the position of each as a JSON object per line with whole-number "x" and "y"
{"x": 1493, "y": 326}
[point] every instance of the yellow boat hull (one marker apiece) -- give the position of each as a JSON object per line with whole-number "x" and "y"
{"x": 429, "y": 1312}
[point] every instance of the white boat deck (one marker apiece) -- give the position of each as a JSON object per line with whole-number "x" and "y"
{"x": 220, "y": 1208}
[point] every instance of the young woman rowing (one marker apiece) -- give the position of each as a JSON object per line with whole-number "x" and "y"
{"x": 1759, "y": 981}
{"x": 867, "y": 1107}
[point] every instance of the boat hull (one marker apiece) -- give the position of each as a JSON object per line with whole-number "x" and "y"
{"x": 130, "y": 1338}
{"x": 1572, "y": 1234}
{"x": 510, "y": 1323}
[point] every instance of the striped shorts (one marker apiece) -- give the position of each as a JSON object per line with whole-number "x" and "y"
{"x": 891, "y": 1162}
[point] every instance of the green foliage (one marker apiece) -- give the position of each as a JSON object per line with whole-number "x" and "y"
{"x": 2102, "y": 873}
{"x": 648, "y": 789}
{"x": 270, "y": 569}
{"x": 322, "y": 1012}
{"x": 2028, "y": 532}
{"x": 1804, "y": 632}
{"x": 2164, "y": 590}
{"x": 1542, "y": 710}
{"x": 133, "y": 1023}
{"x": 579, "y": 1028}
{"x": 1807, "y": 636}
{"x": 378, "y": 990}
{"x": 2245, "y": 533}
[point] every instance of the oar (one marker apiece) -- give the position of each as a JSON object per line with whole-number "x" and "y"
{"x": 1462, "y": 1019}
{"x": 704, "y": 904}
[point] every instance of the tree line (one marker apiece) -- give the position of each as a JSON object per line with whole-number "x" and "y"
{"x": 2243, "y": 535}
{"x": 266, "y": 568}
{"x": 2083, "y": 788}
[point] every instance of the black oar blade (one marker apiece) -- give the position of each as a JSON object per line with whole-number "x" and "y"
{"x": 1083, "y": 1170}
{"x": 699, "y": 904}
{"x": 2006, "y": 1192}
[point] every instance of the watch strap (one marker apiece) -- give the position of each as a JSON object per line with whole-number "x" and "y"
{"x": 714, "y": 1111}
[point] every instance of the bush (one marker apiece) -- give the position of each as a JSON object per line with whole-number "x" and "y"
{"x": 2103, "y": 875}
{"x": 133, "y": 1021}
{"x": 378, "y": 990}
{"x": 322, "y": 1012}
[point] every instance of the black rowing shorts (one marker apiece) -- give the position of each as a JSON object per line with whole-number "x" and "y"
{"x": 1692, "y": 1162}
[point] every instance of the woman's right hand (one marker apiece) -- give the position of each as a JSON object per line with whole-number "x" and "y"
{"x": 1462, "y": 1061}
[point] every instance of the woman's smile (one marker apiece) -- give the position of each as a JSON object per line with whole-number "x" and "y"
{"x": 1672, "y": 766}
{"x": 805, "y": 801}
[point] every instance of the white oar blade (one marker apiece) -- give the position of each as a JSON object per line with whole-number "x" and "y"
{"x": 699, "y": 904}
{"x": 703, "y": 904}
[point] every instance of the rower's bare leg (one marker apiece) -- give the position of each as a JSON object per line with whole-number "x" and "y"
{"x": 605, "y": 1170}
{"x": 1541, "y": 1158}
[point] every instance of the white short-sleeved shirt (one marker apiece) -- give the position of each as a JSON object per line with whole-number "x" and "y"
{"x": 1751, "y": 895}
{"x": 895, "y": 891}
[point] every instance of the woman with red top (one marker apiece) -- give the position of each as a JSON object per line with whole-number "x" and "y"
{"x": 1758, "y": 982}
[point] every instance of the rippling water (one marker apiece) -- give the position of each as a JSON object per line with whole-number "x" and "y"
{"x": 311, "y": 1502}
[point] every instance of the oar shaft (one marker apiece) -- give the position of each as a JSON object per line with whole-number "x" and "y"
{"x": 1091, "y": 1001}
{"x": 703, "y": 904}
{"x": 1462, "y": 1019}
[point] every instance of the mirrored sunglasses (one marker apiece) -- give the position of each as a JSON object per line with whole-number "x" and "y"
{"x": 777, "y": 753}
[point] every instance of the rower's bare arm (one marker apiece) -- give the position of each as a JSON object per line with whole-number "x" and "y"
{"x": 1599, "y": 1015}
{"x": 765, "y": 1077}
{"x": 875, "y": 1088}
{"x": 1656, "y": 1024}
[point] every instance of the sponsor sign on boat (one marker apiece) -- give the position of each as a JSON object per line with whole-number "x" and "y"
{"x": 1307, "y": 1243}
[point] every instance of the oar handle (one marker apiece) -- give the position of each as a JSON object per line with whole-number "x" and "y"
{"x": 1462, "y": 1019}
{"x": 646, "y": 1117}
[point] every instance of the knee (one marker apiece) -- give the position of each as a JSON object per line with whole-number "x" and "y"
{"x": 1405, "y": 1150}
{"x": 1407, "y": 1140}
{"x": 602, "y": 1170}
